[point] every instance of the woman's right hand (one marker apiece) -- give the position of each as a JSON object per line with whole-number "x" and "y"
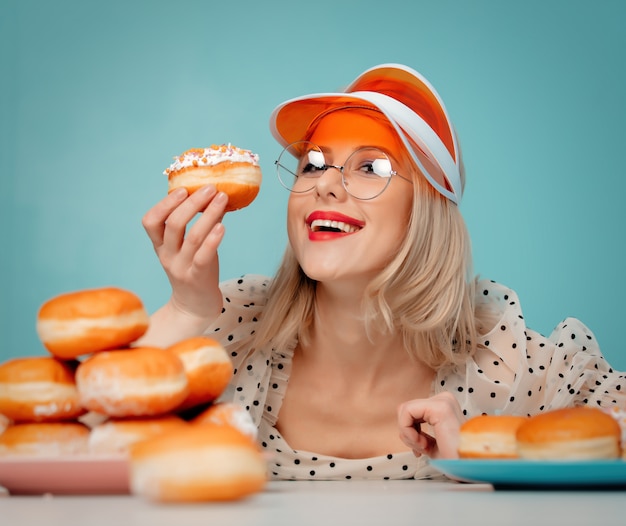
{"x": 189, "y": 257}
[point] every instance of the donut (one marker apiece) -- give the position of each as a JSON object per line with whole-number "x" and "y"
{"x": 4, "y": 423}
{"x": 141, "y": 381}
{"x": 489, "y": 436}
{"x": 38, "y": 389}
{"x": 228, "y": 413}
{"x": 92, "y": 419}
{"x": 198, "y": 463}
{"x": 87, "y": 321}
{"x": 44, "y": 439}
{"x": 574, "y": 433}
{"x": 232, "y": 170}
{"x": 620, "y": 417}
{"x": 208, "y": 368}
{"x": 117, "y": 435}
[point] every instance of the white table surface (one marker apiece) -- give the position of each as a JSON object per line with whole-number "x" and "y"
{"x": 362, "y": 503}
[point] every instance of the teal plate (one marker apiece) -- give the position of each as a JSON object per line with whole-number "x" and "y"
{"x": 545, "y": 474}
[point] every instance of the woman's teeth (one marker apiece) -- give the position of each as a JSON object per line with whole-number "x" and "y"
{"x": 338, "y": 226}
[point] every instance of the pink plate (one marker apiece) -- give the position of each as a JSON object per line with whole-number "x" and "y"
{"x": 75, "y": 475}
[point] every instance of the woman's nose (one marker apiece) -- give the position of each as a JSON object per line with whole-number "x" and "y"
{"x": 330, "y": 183}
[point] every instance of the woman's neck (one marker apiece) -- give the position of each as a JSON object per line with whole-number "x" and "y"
{"x": 340, "y": 340}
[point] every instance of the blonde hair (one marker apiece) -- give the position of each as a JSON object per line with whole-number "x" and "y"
{"x": 426, "y": 291}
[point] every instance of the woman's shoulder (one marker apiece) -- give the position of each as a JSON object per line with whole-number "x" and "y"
{"x": 244, "y": 299}
{"x": 516, "y": 369}
{"x": 504, "y": 330}
{"x": 490, "y": 291}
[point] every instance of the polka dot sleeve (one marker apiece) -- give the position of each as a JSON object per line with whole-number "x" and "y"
{"x": 519, "y": 371}
{"x": 244, "y": 301}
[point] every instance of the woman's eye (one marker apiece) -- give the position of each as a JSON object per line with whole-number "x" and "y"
{"x": 312, "y": 163}
{"x": 381, "y": 167}
{"x": 310, "y": 169}
{"x": 369, "y": 168}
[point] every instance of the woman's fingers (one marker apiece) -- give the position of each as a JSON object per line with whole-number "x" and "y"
{"x": 423, "y": 442}
{"x": 154, "y": 220}
{"x": 199, "y": 233}
{"x": 442, "y": 415}
{"x": 180, "y": 242}
{"x": 178, "y": 220}
{"x": 207, "y": 251}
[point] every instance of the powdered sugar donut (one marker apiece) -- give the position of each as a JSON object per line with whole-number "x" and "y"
{"x": 44, "y": 439}
{"x": 143, "y": 381}
{"x": 228, "y": 413}
{"x": 620, "y": 417}
{"x": 118, "y": 435}
{"x": 199, "y": 463}
{"x": 490, "y": 436}
{"x": 574, "y": 433}
{"x": 208, "y": 368}
{"x": 87, "y": 321}
{"x": 38, "y": 389}
{"x": 232, "y": 170}
{"x": 4, "y": 423}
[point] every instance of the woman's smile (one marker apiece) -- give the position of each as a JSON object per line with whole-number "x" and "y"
{"x": 328, "y": 225}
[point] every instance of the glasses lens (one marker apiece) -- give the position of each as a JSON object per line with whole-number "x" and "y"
{"x": 367, "y": 173}
{"x": 298, "y": 165}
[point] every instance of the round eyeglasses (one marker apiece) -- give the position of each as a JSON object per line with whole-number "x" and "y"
{"x": 365, "y": 175}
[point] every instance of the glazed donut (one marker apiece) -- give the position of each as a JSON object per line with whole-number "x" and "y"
{"x": 199, "y": 463}
{"x": 38, "y": 389}
{"x": 232, "y": 170}
{"x": 489, "y": 436}
{"x": 117, "y": 435}
{"x": 87, "y": 321}
{"x": 228, "y": 413}
{"x": 44, "y": 439}
{"x": 142, "y": 381}
{"x": 208, "y": 368}
{"x": 575, "y": 433}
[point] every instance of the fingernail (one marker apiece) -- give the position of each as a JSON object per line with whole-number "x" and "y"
{"x": 220, "y": 198}
{"x": 179, "y": 193}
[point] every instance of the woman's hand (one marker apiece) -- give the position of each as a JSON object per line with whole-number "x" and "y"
{"x": 443, "y": 416}
{"x": 188, "y": 255}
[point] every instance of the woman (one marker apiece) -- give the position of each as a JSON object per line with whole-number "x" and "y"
{"x": 373, "y": 342}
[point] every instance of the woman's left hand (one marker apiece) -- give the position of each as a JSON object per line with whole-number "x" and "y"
{"x": 443, "y": 416}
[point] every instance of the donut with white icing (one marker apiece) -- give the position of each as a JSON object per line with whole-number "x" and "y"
{"x": 232, "y": 170}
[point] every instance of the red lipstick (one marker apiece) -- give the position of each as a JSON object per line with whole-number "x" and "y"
{"x": 328, "y": 225}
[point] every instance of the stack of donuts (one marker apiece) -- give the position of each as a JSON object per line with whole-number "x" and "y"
{"x": 98, "y": 392}
{"x": 572, "y": 433}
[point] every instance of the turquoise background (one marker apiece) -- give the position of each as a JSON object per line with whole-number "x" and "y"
{"x": 97, "y": 97}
